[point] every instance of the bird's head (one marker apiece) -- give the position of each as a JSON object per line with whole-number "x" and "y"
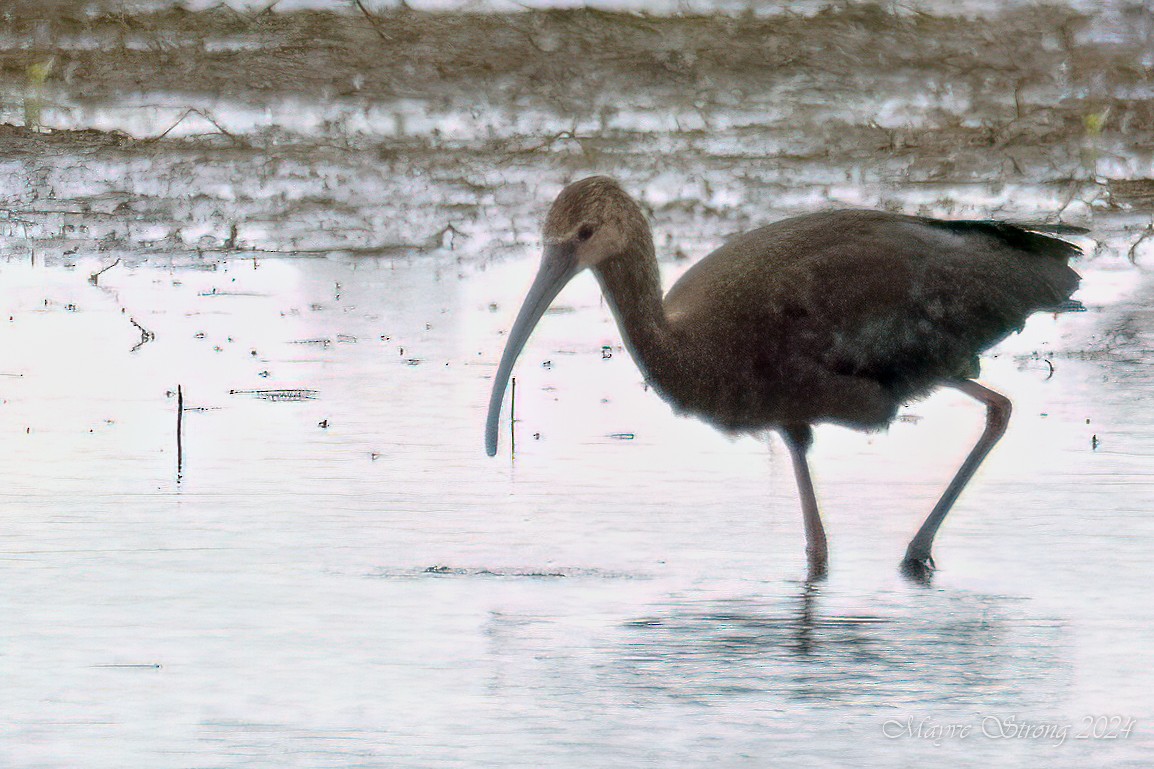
{"x": 591, "y": 221}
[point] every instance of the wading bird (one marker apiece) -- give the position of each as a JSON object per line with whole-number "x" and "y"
{"x": 836, "y": 317}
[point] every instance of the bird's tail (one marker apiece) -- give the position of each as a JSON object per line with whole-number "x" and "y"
{"x": 1032, "y": 238}
{"x": 1051, "y": 229}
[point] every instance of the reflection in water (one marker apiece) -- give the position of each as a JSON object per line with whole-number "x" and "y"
{"x": 907, "y": 649}
{"x": 813, "y": 670}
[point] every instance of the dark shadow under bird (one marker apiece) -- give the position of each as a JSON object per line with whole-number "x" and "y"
{"x": 834, "y": 317}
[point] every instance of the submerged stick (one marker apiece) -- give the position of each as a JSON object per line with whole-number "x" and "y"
{"x": 372, "y": 20}
{"x": 145, "y": 335}
{"x": 180, "y": 120}
{"x": 513, "y": 418}
{"x": 94, "y": 278}
{"x": 179, "y": 432}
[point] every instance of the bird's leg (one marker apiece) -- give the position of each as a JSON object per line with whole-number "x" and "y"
{"x": 918, "y": 562}
{"x": 798, "y": 439}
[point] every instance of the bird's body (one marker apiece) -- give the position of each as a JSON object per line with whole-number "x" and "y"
{"x": 844, "y": 316}
{"x": 839, "y": 316}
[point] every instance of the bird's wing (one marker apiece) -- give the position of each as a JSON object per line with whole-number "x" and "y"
{"x": 902, "y": 300}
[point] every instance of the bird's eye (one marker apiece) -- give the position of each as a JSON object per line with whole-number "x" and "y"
{"x": 585, "y": 232}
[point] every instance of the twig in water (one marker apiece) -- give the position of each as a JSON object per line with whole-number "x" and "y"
{"x": 372, "y": 20}
{"x": 571, "y": 135}
{"x": 179, "y": 433}
{"x": 279, "y": 395}
{"x": 230, "y": 243}
{"x": 438, "y": 240}
{"x": 1133, "y": 252}
{"x": 145, "y": 334}
{"x": 513, "y": 419}
{"x": 180, "y": 120}
{"x": 94, "y": 278}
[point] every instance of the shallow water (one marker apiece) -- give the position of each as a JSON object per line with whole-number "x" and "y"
{"x": 342, "y": 577}
{"x": 334, "y": 573}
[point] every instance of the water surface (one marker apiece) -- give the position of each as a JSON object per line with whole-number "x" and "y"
{"x": 335, "y": 574}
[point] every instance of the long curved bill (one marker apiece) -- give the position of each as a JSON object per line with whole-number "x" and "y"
{"x": 558, "y": 266}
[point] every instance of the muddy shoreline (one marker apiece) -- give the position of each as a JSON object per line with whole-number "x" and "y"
{"x": 577, "y": 60}
{"x": 310, "y": 132}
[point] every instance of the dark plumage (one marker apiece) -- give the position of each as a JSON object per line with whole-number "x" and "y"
{"x": 839, "y": 316}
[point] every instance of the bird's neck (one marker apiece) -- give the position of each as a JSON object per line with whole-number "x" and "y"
{"x": 631, "y": 283}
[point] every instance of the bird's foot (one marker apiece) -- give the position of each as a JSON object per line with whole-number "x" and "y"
{"x": 919, "y": 569}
